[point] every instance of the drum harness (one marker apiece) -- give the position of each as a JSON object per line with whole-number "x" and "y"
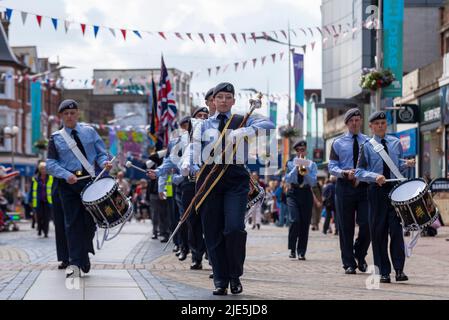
{"x": 90, "y": 169}
{"x": 380, "y": 150}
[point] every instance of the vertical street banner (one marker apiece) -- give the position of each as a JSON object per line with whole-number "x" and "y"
{"x": 36, "y": 109}
{"x": 298, "y": 67}
{"x": 273, "y": 112}
{"x": 393, "y": 21}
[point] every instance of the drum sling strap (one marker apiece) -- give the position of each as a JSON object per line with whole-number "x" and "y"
{"x": 379, "y": 148}
{"x": 77, "y": 152}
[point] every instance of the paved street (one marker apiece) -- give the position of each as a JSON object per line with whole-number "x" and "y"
{"x": 134, "y": 267}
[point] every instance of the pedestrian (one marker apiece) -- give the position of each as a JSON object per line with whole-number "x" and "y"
{"x": 317, "y": 206}
{"x": 122, "y": 183}
{"x": 383, "y": 220}
{"x": 329, "y": 203}
{"x": 42, "y": 199}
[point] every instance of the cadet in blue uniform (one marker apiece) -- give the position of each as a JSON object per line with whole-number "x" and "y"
{"x": 64, "y": 165}
{"x": 300, "y": 201}
{"x": 223, "y": 211}
{"x": 351, "y": 197}
{"x": 383, "y": 219}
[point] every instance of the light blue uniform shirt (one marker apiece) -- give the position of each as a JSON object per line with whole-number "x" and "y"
{"x": 310, "y": 179}
{"x": 61, "y": 161}
{"x": 370, "y": 164}
{"x": 342, "y": 153}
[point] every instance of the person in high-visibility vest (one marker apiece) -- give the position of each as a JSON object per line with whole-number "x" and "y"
{"x": 41, "y": 199}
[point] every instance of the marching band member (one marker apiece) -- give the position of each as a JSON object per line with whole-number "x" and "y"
{"x": 300, "y": 201}
{"x": 383, "y": 220}
{"x": 351, "y": 197}
{"x": 223, "y": 210}
{"x": 62, "y": 163}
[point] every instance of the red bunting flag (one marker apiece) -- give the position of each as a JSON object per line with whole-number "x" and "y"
{"x": 273, "y": 56}
{"x": 39, "y": 20}
{"x": 223, "y": 36}
{"x": 253, "y": 35}
{"x": 236, "y": 65}
{"x": 254, "y": 62}
{"x": 202, "y": 37}
{"x": 179, "y": 35}
{"x": 212, "y": 36}
{"x": 123, "y": 33}
{"x": 234, "y": 36}
{"x": 162, "y": 35}
{"x": 244, "y": 37}
{"x": 263, "y": 59}
{"x": 284, "y": 33}
{"x": 190, "y": 36}
{"x": 83, "y": 28}
{"x": 114, "y": 83}
{"x": 93, "y": 82}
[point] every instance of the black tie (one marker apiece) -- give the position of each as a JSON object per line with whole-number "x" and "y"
{"x": 300, "y": 178}
{"x": 355, "y": 150}
{"x": 222, "y": 118}
{"x": 386, "y": 170}
{"x": 78, "y": 142}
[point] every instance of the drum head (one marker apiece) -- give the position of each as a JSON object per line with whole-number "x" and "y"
{"x": 98, "y": 190}
{"x": 408, "y": 190}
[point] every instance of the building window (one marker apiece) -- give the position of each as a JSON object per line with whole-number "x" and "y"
{"x": 2, "y": 85}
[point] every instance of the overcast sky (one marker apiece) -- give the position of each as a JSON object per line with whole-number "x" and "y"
{"x": 206, "y": 16}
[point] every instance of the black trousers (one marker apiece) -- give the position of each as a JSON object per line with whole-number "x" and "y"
{"x": 160, "y": 215}
{"x": 79, "y": 225}
{"x": 43, "y": 216}
{"x": 383, "y": 222}
{"x": 223, "y": 218}
{"x": 181, "y": 239}
{"x": 352, "y": 207}
{"x": 327, "y": 220}
{"x": 300, "y": 203}
{"x": 62, "y": 250}
{"x": 195, "y": 228}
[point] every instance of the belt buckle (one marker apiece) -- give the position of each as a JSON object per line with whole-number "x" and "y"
{"x": 78, "y": 173}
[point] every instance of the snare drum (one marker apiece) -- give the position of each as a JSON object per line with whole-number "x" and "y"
{"x": 256, "y": 193}
{"x": 413, "y": 203}
{"x": 106, "y": 203}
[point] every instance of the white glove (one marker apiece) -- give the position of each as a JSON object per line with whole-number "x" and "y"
{"x": 185, "y": 169}
{"x": 237, "y": 134}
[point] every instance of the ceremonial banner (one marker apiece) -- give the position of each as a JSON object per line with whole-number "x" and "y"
{"x": 36, "y": 109}
{"x": 298, "y": 67}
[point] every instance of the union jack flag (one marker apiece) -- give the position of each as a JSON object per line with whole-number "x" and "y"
{"x": 166, "y": 104}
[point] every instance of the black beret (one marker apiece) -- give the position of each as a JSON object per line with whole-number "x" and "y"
{"x": 209, "y": 93}
{"x": 67, "y": 104}
{"x": 378, "y": 115}
{"x": 352, "y": 113}
{"x": 198, "y": 110}
{"x": 186, "y": 119}
{"x": 223, "y": 87}
{"x": 300, "y": 143}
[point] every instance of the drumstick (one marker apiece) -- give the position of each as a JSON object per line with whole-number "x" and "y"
{"x": 395, "y": 180}
{"x": 83, "y": 178}
{"x": 102, "y": 171}
{"x": 129, "y": 165}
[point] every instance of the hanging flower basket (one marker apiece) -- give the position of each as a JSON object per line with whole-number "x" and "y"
{"x": 289, "y": 132}
{"x": 41, "y": 144}
{"x": 373, "y": 79}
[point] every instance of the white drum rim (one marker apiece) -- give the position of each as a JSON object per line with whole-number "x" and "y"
{"x": 103, "y": 197}
{"x": 414, "y": 198}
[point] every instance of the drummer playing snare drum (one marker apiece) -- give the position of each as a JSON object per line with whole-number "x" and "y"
{"x": 382, "y": 217}
{"x": 62, "y": 163}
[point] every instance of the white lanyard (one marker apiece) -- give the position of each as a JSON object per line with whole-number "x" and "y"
{"x": 385, "y": 157}
{"x": 77, "y": 152}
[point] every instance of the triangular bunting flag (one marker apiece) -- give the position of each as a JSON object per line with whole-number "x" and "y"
{"x": 108, "y": 82}
{"x": 96, "y": 28}
{"x": 218, "y": 68}
{"x": 327, "y": 29}
{"x": 273, "y": 56}
{"x": 123, "y": 31}
{"x": 112, "y": 31}
{"x": 223, "y": 36}
{"x": 190, "y": 36}
{"x": 24, "y": 17}
{"x": 236, "y": 65}
{"x": 275, "y": 34}
{"x": 162, "y": 35}
{"x": 335, "y": 30}
{"x": 55, "y": 23}
{"x": 294, "y": 32}
{"x": 93, "y": 82}
{"x": 39, "y": 20}
{"x": 179, "y": 35}
{"x": 212, "y": 36}
{"x": 234, "y": 36}
{"x": 209, "y": 70}
{"x": 137, "y": 33}
{"x": 304, "y": 48}
{"x": 313, "y": 45}
{"x": 114, "y": 83}
{"x": 254, "y": 62}
{"x": 284, "y": 33}
{"x": 202, "y": 37}
{"x": 303, "y": 31}
{"x": 8, "y": 13}
{"x": 253, "y": 35}
{"x": 83, "y": 28}
{"x": 66, "y": 26}
{"x": 244, "y": 37}
{"x": 311, "y": 31}
{"x": 263, "y": 59}
{"x": 244, "y": 65}
{"x": 319, "y": 30}
{"x": 264, "y": 34}
{"x": 281, "y": 55}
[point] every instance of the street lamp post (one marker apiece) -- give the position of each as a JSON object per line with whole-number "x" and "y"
{"x": 12, "y": 132}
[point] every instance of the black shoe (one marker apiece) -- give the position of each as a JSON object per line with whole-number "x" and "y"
{"x": 63, "y": 265}
{"x": 154, "y": 236}
{"x": 196, "y": 266}
{"x": 220, "y": 291}
{"x": 175, "y": 248}
{"x": 350, "y": 270}
{"x": 211, "y": 276}
{"x": 39, "y": 233}
{"x": 182, "y": 256}
{"x": 164, "y": 239}
{"x": 292, "y": 254}
{"x": 46, "y": 236}
{"x": 400, "y": 276}
{"x": 258, "y": 226}
{"x": 236, "y": 286}
{"x": 178, "y": 253}
{"x": 86, "y": 268}
{"x": 362, "y": 265}
{"x": 302, "y": 257}
{"x": 385, "y": 279}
